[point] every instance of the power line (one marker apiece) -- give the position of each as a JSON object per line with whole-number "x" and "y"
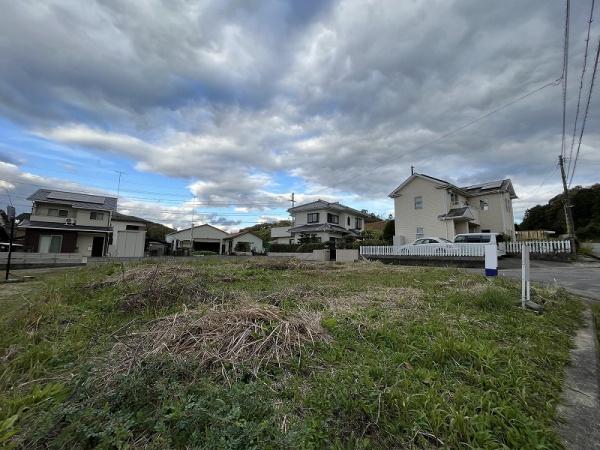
{"x": 555, "y": 82}
{"x": 587, "y": 107}
{"x": 565, "y": 73}
{"x": 548, "y": 176}
{"x": 585, "y": 55}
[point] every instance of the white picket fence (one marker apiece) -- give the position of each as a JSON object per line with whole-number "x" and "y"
{"x": 465, "y": 249}
{"x": 443, "y": 250}
{"x": 545, "y": 247}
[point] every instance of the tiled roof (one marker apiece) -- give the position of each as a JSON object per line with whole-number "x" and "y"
{"x": 456, "y": 212}
{"x": 241, "y": 233}
{"x": 125, "y": 218}
{"x": 74, "y": 199}
{"x": 320, "y": 227}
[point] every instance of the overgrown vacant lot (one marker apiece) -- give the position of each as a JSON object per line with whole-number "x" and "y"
{"x": 279, "y": 354}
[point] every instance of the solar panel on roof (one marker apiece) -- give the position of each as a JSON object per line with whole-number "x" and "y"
{"x": 492, "y": 185}
{"x": 74, "y": 197}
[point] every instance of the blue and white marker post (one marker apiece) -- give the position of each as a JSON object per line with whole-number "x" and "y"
{"x": 491, "y": 260}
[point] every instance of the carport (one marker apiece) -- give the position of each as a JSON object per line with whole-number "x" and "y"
{"x": 200, "y": 238}
{"x": 206, "y": 246}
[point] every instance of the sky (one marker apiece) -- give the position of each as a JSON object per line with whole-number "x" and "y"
{"x": 216, "y": 111}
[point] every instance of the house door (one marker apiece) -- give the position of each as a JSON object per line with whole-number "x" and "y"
{"x": 98, "y": 246}
{"x": 50, "y": 244}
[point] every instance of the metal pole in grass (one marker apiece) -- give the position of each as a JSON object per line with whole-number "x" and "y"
{"x": 526, "y": 281}
{"x": 11, "y": 216}
{"x": 524, "y": 275}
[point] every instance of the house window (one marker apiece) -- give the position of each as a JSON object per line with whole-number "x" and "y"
{"x": 483, "y": 205}
{"x": 419, "y": 202}
{"x": 55, "y": 212}
{"x": 348, "y": 221}
{"x": 50, "y": 243}
{"x": 312, "y": 218}
{"x": 358, "y": 223}
{"x": 132, "y": 227}
{"x": 333, "y": 218}
{"x": 507, "y": 204}
{"x": 420, "y": 233}
{"x": 453, "y": 198}
{"x": 94, "y": 215}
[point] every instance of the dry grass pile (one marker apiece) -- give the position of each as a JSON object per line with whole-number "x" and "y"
{"x": 144, "y": 274}
{"x": 279, "y": 263}
{"x": 300, "y": 292}
{"x": 249, "y": 337}
{"x": 159, "y": 286}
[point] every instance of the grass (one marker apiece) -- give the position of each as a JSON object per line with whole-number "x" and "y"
{"x": 596, "y": 316}
{"x": 334, "y": 356}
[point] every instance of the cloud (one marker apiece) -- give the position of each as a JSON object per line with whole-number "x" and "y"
{"x": 338, "y": 98}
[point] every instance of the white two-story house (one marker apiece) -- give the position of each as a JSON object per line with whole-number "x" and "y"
{"x": 428, "y": 206}
{"x": 321, "y": 221}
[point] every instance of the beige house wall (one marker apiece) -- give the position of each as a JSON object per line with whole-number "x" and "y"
{"x": 81, "y": 216}
{"x": 300, "y": 218}
{"x": 435, "y": 203}
{"x": 84, "y": 242}
{"x": 499, "y": 217}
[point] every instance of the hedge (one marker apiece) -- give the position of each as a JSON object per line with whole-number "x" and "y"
{"x": 309, "y": 247}
{"x": 283, "y": 248}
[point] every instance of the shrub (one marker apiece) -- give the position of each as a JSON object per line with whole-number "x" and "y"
{"x": 309, "y": 247}
{"x": 389, "y": 231}
{"x": 589, "y": 232}
{"x": 283, "y": 248}
{"x": 203, "y": 253}
{"x": 242, "y": 247}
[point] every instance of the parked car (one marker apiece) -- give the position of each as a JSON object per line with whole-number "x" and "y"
{"x": 442, "y": 245}
{"x": 431, "y": 240}
{"x": 481, "y": 238}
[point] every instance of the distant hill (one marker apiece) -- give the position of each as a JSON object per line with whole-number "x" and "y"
{"x": 586, "y": 214}
{"x": 157, "y": 231}
{"x": 263, "y": 230}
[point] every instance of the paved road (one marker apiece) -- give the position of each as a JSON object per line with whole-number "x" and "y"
{"x": 581, "y": 278}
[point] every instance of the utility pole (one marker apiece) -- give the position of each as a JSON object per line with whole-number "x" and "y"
{"x": 293, "y": 200}
{"x": 119, "y": 182}
{"x": 192, "y": 233}
{"x": 567, "y": 204}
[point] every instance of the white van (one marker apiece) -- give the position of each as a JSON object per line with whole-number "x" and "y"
{"x": 482, "y": 238}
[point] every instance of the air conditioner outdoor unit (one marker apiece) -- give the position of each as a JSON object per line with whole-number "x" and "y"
{"x": 69, "y": 221}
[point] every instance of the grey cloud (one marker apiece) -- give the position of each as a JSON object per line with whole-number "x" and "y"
{"x": 339, "y": 94}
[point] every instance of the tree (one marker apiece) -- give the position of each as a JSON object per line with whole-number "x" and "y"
{"x": 389, "y": 231}
{"x": 263, "y": 230}
{"x": 586, "y": 213}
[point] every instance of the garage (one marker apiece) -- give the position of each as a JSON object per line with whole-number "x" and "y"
{"x": 129, "y": 236}
{"x": 204, "y": 246}
{"x": 201, "y": 238}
